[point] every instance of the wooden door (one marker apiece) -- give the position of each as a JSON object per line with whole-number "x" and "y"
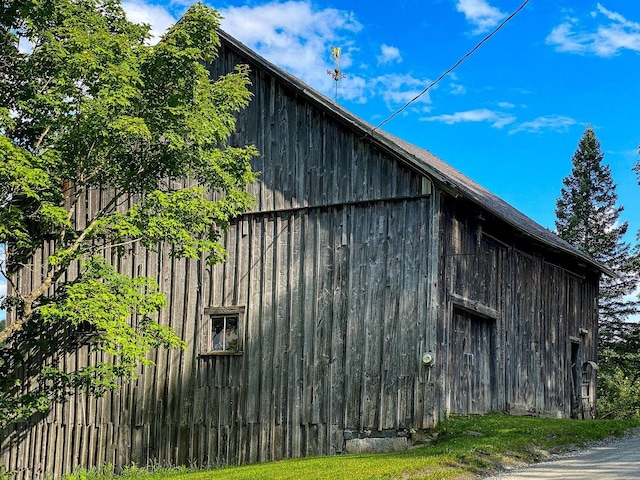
{"x": 473, "y": 364}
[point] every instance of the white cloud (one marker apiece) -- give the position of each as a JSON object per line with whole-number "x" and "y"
{"x": 496, "y": 119}
{"x": 155, "y": 15}
{"x": 457, "y": 89}
{"x": 480, "y": 14}
{"x": 616, "y": 17}
{"x": 398, "y": 89}
{"x": 506, "y": 105}
{"x": 630, "y": 154}
{"x": 351, "y": 87}
{"x": 614, "y": 34}
{"x": 557, "y": 123}
{"x": 297, "y": 37}
{"x": 389, "y": 54}
{"x": 294, "y": 35}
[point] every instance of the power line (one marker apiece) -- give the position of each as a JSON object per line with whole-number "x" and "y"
{"x": 467, "y": 55}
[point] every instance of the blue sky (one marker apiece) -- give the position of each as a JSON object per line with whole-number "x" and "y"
{"x": 510, "y": 116}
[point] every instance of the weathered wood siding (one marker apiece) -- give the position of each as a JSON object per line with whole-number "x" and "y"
{"x": 334, "y": 332}
{"x": 307, "y": 157}
{"x": 335, "y": 326}
{"x": 512, "y": 321}
{"x": 553, "y": 309}
{"x": 336, "y": 273}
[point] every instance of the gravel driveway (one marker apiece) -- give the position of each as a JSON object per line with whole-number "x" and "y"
{"x": 612, "y": 459}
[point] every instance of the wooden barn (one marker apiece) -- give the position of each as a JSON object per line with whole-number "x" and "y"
{"x": 372, "y": 291}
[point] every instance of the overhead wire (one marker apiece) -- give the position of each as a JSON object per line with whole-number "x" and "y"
{"x": 451, "y": 69}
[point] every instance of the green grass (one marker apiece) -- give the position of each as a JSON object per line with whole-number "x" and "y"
{"x": 465, "y": 447}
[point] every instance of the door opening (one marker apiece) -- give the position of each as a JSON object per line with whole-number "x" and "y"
{"x": 576, "y": 380}
{"x": 473, "y": 363}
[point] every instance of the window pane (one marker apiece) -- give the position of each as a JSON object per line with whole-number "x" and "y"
{"x": 225, "y": 333}
{"x": 231, "y": 334}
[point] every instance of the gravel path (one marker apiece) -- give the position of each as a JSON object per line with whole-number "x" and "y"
{"x": 611, "y": 459}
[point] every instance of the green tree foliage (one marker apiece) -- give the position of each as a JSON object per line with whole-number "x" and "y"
{"x": 619, "y": 376}
{"x": 588, "y": 217}
{"x": 86, "y": 105}
{"x": 621, "y": 379}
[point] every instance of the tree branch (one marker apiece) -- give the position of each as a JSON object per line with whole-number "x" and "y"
{"x": 53, "y": 276}
{"x": 41, "y": 139}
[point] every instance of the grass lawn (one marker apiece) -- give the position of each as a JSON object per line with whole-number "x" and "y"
{"x": 464, "y": 448}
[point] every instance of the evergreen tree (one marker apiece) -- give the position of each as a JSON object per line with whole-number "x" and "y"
{"x": 587, "y": 216}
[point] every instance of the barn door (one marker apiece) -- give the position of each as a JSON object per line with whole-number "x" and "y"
{"x": 473, "y": 364}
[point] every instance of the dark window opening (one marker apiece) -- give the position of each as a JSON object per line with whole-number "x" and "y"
{"x": 225, "y": 333}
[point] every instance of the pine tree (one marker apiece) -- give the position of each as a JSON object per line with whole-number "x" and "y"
{"x": 588, "y": 217}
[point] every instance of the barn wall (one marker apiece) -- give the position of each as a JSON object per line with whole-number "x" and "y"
{"x": 335, "y": 327}
{"x": 334, "y": 271}
{"x": 534, "y": 313}
{"x": 336, "y": 301}
{"x": 554, "y": 311}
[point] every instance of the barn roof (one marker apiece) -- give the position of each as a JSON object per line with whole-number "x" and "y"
{"x": 420, "y": 159}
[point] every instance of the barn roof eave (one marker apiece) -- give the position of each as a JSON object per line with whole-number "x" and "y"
{"x": 421, "y": 160}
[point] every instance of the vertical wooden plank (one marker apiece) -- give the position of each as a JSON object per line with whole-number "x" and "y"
{"x": 254, "y": 280}
{"x": 278, "y": 344}
{"x": 388, "y": 375}
{"x": 354, "y": 340}
{"x": 309, "y": 269}
{"x": 326, "y": 144}
{"x": 241, "y": 298}
{"x": 406, "y": 220}
{"x": 267, "y": 336}
{"x": 297, "y": 158}
{"x": 296, "y": 308}
{"x": 420, "y": 210}
{"x": 377, "y": 246}
{"x": 268, "y": 98}
{"x": 336, "y": 384}
{"x": 322, "y": 320}
{"x": 308, "y": 127}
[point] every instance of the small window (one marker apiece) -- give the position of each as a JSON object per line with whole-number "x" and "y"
{"x": 223, "y": 331}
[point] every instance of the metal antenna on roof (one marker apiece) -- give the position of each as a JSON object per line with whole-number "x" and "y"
{"x": 336, "y": 74}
